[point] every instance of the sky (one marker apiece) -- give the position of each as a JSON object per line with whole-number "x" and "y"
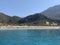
{"x": 24, "y": 8}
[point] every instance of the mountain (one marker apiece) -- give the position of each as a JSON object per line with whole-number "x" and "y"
{"x": 5, "y": 19}
{"x": 53, "y": 12}
{"x": 35, "y": 19}
{"x": 14, "y": 19}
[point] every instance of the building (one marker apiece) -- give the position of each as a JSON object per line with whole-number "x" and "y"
{"x": 54, "y": 23}
{"x": 47, "y": 23}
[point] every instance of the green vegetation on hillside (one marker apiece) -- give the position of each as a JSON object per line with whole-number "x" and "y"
{"x": 35, "y": 20}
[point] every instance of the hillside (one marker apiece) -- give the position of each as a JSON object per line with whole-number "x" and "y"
{"x": 35, "y": 19}
{"x": 53, "y": 12}
{"x": 5, "y": 19}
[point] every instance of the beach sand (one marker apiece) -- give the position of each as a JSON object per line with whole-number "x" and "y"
{"x": 27, "y": 27}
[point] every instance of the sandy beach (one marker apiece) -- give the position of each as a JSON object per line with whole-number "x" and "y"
{"x": 27, "y": 27}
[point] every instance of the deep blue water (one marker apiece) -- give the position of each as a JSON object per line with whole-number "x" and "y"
{"x": 30, "y": 37}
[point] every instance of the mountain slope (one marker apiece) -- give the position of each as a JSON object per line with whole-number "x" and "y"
{"x": 35, "y": 19}
{"x": 4, "y": 18}
{"x": 52, "y": 12}
{"x": 8, "y": 19}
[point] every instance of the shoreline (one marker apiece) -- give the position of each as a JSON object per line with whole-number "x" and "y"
{"x": 27, "y": 27}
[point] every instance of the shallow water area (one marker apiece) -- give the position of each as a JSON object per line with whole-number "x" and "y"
{"x": 30, "y": 37}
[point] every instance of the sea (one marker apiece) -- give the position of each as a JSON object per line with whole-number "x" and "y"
{"x": 30, "y": 37}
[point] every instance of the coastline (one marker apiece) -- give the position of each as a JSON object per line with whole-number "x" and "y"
{"x": 27, "y": 27}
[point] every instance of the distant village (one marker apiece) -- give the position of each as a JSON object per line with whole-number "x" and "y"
{"x": 51, "y": 23}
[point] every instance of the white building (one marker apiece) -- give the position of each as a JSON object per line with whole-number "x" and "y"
{"x": 54, "y": 23}
{"x": 47, "y": 22}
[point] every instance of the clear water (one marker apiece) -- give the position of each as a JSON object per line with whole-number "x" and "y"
{"x": 30, "y": 37}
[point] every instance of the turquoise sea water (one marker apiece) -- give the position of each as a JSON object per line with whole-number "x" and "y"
{"x": 30, "y": 37}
